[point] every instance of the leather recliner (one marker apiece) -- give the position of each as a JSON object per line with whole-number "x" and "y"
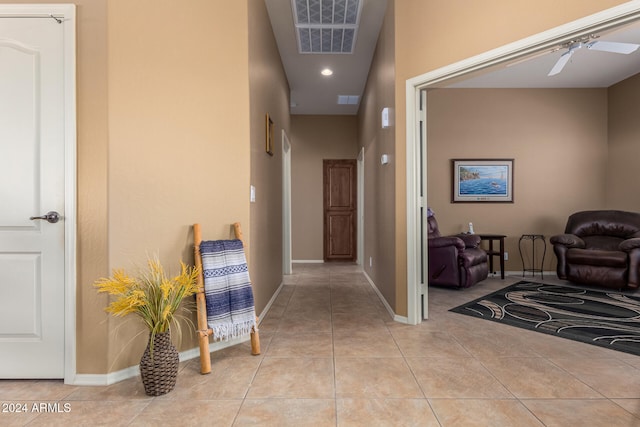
{"x": 455, "y": 261}
{"x": 600, "y": 248}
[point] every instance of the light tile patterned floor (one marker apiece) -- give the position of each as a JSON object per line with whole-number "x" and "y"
{"x": 332, "y": 356}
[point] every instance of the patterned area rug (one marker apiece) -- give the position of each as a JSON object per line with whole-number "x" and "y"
{"x": 605, "y": 319}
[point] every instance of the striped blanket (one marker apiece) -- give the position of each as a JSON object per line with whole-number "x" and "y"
{"x": 227, "y": 287}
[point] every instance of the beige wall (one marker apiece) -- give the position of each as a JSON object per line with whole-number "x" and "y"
{"x": 178, "y": 129}
{"x": 92, "y": 185}
{"x": 624, "y": 145}
{"x": 557, "y": 138}
{"x": 149, "y": 76}
{"x": 314, "y": 138}
{"x": 178, "y": 149}
{"x": 269, "y": 94}
{"x": 430, "y": 35}
{"x": 164, "y": 112}
{"x": 187, "y": 138}
{"x": 379, "y": 188}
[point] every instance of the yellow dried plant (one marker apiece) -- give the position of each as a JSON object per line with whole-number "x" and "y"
{"x": 152, "y": 295}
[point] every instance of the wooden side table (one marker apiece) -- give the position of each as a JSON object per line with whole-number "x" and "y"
{"x": 493, "y": 252}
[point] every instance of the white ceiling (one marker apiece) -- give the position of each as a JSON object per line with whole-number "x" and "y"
{"x": 586, "y": 69}
{"x": 312, "y": 93}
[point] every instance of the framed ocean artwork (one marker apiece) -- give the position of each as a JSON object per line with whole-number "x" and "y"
{"x": 482, "y": 180}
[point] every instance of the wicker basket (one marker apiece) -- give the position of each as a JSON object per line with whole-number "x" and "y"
{"x": 159, "y": 372}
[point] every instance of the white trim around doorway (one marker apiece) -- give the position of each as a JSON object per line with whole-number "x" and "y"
{"x": 360, "y": 209}
{"x": 70, "y": 198}
{"x": 65, "y": 14}
{"x": 286, "y": 204}
{"x": 595, "y": 23}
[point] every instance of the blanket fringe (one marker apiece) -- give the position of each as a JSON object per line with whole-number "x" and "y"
{"x": 229, "y": 330}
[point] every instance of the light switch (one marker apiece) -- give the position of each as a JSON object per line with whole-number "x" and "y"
{"x": 385, "y": 118}
{"x": 252, "y": 197}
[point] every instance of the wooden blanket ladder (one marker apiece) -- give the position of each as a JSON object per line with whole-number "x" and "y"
{"x": 203, "y": 328}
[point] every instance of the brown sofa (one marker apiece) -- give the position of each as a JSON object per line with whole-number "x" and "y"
{"x": 600, "y": 248}
{"x": 455, "y": 261}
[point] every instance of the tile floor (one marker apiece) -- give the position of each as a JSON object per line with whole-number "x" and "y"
{"x": 332, "y": 356}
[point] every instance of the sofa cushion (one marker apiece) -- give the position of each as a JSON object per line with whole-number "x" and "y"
{"x": 604, "y": 222}
{"x": 615, "y": 278}
{"x": 602, "y": 243}
{"x": 597, "y": 258}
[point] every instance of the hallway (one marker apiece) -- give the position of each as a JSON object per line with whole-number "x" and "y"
{"x": 332, "y": 355}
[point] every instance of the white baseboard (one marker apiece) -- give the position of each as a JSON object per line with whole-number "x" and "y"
{"x": 401, "y": 319}
{"x": 133, "y": 371}
{"x": 307, "y": 261}
{"x": 397, "y": 318}
{"x": 270, "y": 303}
{"x": 106, "y": 379}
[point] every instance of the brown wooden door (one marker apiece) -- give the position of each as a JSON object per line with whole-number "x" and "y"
{"x": 340, "y": 215}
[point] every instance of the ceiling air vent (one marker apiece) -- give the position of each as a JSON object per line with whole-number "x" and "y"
{"x": 326, "y": 26}
{"x": 348, "y": 99}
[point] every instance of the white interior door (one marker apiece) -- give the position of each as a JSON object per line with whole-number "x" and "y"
{"x": 32, "y": 183}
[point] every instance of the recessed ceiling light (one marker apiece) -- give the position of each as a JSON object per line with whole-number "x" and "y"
{"x": 326, "y": 72}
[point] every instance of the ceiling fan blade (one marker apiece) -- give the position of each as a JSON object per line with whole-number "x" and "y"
{"x": 561, "y": 63}
{"x": 614, "y": 47}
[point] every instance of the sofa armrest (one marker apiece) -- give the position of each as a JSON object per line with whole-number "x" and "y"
{"x": 561, "y": 244}
{"x": 569, "y": 240}
{"x": 470, "y": 240}
{"x": 630, "y": 244}
{"x": 445, "y": 241}
{"x": 632, "y": 248}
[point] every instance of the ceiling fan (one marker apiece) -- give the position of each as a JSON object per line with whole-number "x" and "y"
{"x": 586, "y": 42}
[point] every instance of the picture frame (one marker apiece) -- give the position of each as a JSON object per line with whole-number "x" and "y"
{"x": 269, "y": 135}
{"x": 482, "y": 180}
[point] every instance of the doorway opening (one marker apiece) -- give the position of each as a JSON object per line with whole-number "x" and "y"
{"x": 417, "y": 90}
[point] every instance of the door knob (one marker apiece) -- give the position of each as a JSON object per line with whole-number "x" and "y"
{"x": 51, "y": 217}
